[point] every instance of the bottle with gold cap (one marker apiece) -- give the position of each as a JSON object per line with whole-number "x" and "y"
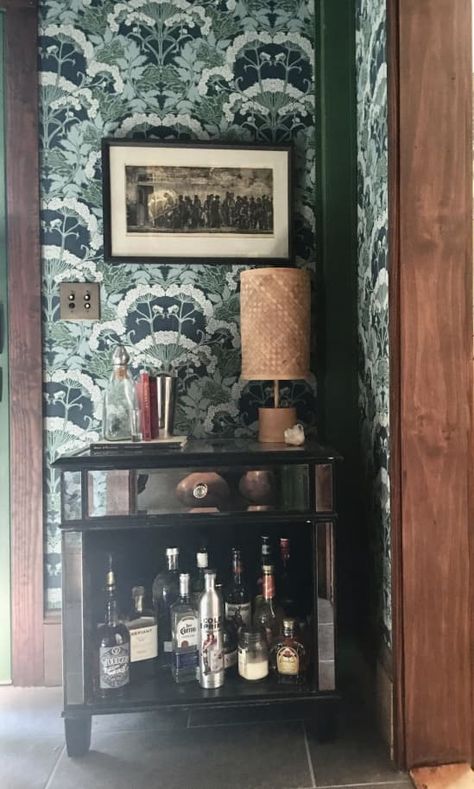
{"x": 112, "y": 656}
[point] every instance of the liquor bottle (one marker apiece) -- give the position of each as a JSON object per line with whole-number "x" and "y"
{"x": 285, "y": 587}
{"x": 288, "y": 655}
{"x": 120, "y": 411}
{"x": 237, "y": 598}
{"x": 268, "y": 614}
{"x": 211, "y": 648}
{"x": 165, "y": 593}
{"x": 143, "y": 632}
{"x": 197, "y": 585}
{"x": 231, "y": 637}
{"x": 265, "y": 559}
{"x": 184, "y": 630}
{"x": 112, "y": 668}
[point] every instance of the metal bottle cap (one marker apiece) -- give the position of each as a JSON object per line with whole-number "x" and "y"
{"x": 138, "y": 591}
{"x": 120, "y": 356}
{"x": 288, "y": 625}
{"x": 202, "y": 559}
{"x": 172, "y": 551}
{"x": 267, "y": 569}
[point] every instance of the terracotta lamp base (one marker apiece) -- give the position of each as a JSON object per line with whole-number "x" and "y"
{"x": 272, "y": 423}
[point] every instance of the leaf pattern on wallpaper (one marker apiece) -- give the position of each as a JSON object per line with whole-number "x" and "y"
{"x": 235, "y": 70}
{"x": 373, "y": 291}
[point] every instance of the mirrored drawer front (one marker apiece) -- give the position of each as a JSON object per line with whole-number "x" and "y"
{"x": 201, "y": 491}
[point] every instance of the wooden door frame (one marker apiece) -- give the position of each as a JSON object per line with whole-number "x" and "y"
{"x": 430, "y": 265}
{"x": 25, "y": 350}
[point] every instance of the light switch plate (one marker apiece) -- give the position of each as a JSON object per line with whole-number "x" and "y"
{"x": 79, "y": 301}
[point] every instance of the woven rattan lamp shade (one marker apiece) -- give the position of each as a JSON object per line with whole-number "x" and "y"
{"x": 275, "y": 307}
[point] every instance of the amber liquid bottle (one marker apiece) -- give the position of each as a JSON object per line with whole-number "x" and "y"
{"x": 112, "y": 663}
{"x": 288, "y": 655}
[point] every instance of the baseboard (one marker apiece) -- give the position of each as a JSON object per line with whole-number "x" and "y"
{"x": 384, "y": 700}
{"x": 53, "y": 674}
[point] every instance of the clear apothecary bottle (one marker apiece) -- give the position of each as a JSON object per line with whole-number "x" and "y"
{"x": 120, "y": 413}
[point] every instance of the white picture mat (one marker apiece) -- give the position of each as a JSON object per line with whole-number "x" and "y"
{"x": 202, "y": 245}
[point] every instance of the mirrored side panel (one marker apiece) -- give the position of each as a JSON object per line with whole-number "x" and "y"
{"x": 326, "y": 608}
{"x": 71, "y": 495}
{"x": 111, "y": 493}
{"x": 72, "y": 617}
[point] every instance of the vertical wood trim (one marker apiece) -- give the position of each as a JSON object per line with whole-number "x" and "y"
{"x": 435, "y": 280}
{"x": 25, "y": 343}
{"x": 395, "y": 378}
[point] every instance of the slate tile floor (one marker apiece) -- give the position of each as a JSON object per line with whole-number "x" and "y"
{"x": 245, "y": 749}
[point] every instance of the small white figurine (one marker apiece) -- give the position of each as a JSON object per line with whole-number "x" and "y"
{"x": 294, "y": 435}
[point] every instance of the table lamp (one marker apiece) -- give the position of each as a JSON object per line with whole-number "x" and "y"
{"x": 275, "y": 306}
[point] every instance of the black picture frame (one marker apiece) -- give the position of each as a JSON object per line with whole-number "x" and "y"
{"x": 259, "y": 244}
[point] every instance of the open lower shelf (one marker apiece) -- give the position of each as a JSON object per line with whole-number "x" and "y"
{"x": 162, "y": 691}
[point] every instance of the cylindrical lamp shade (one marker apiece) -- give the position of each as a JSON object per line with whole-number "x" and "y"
{"x": 275, "y": 309}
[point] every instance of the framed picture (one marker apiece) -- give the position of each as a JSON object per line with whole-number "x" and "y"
{"x": 196, "y": 202}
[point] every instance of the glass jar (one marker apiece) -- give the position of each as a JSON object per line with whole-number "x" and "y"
{"x": 253, "y": 654}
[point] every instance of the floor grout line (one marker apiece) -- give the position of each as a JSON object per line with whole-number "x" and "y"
{"x": 308, "y": 756}
{"x": 55, "y": 768}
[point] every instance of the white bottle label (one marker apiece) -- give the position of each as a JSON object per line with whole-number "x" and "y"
{"x": 143, "y": 643}
{"x": 187, "y": 631}
{"x": 114, "y": 666}
{"x": 211, "y": 653}
{"x": 239, "y": 611}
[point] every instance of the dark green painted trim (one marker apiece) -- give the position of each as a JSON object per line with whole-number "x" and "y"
{"x": 336, "y": 281}
{"x": 5, "y": 591}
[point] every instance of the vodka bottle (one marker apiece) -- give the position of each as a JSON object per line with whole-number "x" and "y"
{"x": 211, "y": 643}
{"x": 165, "y": 593}
{"x": 184, "y": 629}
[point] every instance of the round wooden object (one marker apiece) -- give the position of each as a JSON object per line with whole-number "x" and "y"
{"x": 257, "y": 485}
{"x": 275, "y": 308}
{"x": 203, "y": 489}
{"x": 272, "y": 423}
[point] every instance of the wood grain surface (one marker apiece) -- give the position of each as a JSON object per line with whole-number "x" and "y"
{"x": 435, "y": 287}
{"x": 24, "y": 343}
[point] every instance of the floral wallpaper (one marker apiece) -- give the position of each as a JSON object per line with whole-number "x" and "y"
{"x": 234, "y": 70}
{"x": 373, "y": 294}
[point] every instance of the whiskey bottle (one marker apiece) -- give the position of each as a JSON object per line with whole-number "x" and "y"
{"x": 112, "y": 665}
{"x": 288, "y": 655}
{"x": 211, "y": 648}
{"x": 268, "y": 614}
{"x": 237, "y": 598}
{"x": 285, "y": 586}
{"x": 184, "y": 629}
{"x": 265, "y": 559}
{"x": 143, "y": 631}
{"x": 165, "y": 593}
{"x": 197, "y": 585}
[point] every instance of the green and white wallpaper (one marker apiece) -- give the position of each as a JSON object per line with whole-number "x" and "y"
{"x": 234, "y": 70}
{"x": 373, "y": 295}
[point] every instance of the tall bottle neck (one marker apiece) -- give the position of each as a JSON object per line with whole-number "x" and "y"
{"x": 284, "y": 552}
{"x": 138, "y": 603}
{"x": 209, "y": 582}
{"x": 268, "y": 589}
{"x": 111, "y": 613}
{"x": 172, "y": 563}
{"x": 120, "y": 372}
{"x": 237, "y": 569}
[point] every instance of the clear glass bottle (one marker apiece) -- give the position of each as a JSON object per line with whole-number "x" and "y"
{"x": 165, "y": 592}
{"x": 253, "y": 654}
{"x": 211, "y": 647}
{"x": 288, "y": 655}
{"x": 268, "y": 614}
{"x": 197, "y": 584}
{"x": 112, "y": 663}
{"x": 184, "y": 635}
{"x": 120, "y": 410}
{"x": 237, "y": 598}
{"x": 143, "y": 631}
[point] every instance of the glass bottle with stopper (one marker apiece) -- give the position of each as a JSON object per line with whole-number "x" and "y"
{"x": 120, "y": 412}
{"x": 112, "y": 665}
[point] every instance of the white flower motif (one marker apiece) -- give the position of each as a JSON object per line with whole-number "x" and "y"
{"x": 152, "y": 119}
{"x": 84, "y": 381}
{"x": 112, "y": 327}
{"x": 81, "y": 209}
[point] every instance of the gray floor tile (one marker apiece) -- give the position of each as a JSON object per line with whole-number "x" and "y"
{"x": 27, "y": 763}
{"x": 31, "y": 711}
{"x": 165, "y": 720}
{"x": 258, "y": 756}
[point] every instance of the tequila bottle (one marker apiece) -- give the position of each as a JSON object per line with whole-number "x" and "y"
{"x": 184, "y": 629}
{"x": 143, "y": 636}
{"x": 165, "y": 593}
{"x": 112, "y": 665}
{"x": 237, "y": 598}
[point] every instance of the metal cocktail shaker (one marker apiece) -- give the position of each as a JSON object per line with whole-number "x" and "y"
{"x": 165, "y": 392}
{"x": 211, "y": 634}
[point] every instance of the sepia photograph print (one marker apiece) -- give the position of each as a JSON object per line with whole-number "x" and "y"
{"x": 196, "y": 202}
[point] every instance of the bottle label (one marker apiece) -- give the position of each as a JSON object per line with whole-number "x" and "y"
{"x": 268, "y": 587}
{"x": 239, "y": 613}
{"x": 114, "y": 666}
{"x": 288, "y": 661}
{"x": 212, "y": 657}
{"x": 184, "y": 660}
{"x": 187, "y": 631}
{"x": 230, "y": 659}
{"x": 143, "y": 642}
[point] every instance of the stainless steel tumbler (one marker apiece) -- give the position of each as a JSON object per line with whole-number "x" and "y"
{"x": 165, "y": 390}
